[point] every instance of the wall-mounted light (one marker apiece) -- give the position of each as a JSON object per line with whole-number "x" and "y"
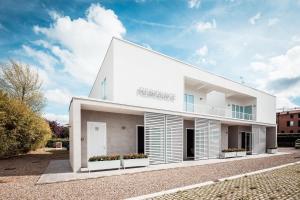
{"x": 123, "y": 127}
{"x": 228, "y": 105}
{"x": 201, "y": 98}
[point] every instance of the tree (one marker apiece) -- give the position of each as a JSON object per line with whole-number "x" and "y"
{"x": 21, "y": 129}
{"x": 20, "y": 82}
{"x": 58, "y": 130}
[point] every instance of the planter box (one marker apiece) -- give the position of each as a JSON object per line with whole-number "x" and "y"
{"x": 228, "y": 154}
{"x": 103, "y": 165}
{"x": 272, "y": 151}
{"x": 138, "y": 162}
{"x": 241, "y": 153}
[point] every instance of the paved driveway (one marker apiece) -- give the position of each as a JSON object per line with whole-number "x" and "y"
{"x": 278, "y": 184}
{"x": 18, "y": 177}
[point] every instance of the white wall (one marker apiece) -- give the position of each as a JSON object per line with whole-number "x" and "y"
{"x": 136, "y": 67}
{"x": 75, "y": 135}
{"x": 106, "y": 71}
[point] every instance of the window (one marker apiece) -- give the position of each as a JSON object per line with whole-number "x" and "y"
{"x": 291, "y": 131}
{"x": 298, "y": 115}
{"x": 291, "y": 116}
{"x": 282, "y": 131}
{"x": 298, "y": 130}
{"x": 298, "y": 123}
{"x": 103, "y": 88}
{"x": 242, "y": 112}
{"x": 290, "y": 123}
{"x": 189, "y": 102}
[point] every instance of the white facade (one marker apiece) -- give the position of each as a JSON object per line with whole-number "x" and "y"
{"x": 138, "y": 80}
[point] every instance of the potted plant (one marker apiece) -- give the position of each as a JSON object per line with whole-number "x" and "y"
{"x": 228, "y": 153}
{"x": 240, "y": 152}
{"x": 272, "y": 150}
{"x": 135, "y": 160}
{"x": 104, "y": 162}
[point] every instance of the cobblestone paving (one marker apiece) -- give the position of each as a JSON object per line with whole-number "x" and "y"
{"x": 281, "y": 183}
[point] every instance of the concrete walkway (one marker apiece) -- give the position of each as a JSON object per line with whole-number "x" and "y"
{"x": 60, "y": 170}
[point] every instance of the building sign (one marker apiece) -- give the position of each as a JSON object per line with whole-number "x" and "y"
{"x": 155, "y": 94}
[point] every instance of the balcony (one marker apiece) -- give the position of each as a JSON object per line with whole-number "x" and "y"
{"x": 219, "y": 111}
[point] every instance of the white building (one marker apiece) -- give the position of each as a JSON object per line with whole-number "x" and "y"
{"x": 146, "y": 102}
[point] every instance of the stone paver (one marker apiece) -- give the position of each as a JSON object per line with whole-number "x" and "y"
{"x": 281, "y": 183}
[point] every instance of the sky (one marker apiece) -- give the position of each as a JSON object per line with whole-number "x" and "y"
{"x": 250, "y": 41}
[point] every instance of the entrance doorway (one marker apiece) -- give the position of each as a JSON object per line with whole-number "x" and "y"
{"x": 96, "y": 139}
{"x": 246, "y": 142}
{"x": 140, "y": 139}
{"x": 190, "y": 143}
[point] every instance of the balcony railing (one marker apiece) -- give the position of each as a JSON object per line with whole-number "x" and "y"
{"x": 217, "y": 111}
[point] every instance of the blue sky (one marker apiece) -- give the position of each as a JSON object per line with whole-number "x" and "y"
{"x": 257, "y": 42}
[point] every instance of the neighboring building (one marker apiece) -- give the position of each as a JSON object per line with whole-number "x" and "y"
{"x": 146, "y": 102}
{"x": 288, "y": 127}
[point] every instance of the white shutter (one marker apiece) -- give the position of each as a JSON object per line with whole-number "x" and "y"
{"x": 155, "y": 137}
{"x": 201, "y": 138}
{"x": 255, "y": 139}
{"x": 214, "y": 138}
{"x": 174, "y": 138}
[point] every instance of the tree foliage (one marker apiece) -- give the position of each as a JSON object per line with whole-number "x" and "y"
{"x": 21, "y": 129}
{"x": 58, "y": 130}
{"x": 19, "y": 81}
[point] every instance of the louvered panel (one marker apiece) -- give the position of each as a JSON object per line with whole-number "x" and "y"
{"x": 255, "y": 139}
{"x": 258, "y": 139}
{"x": 174, "y": 139}
{"x": 155, "y": 137}
{"x": 201, "y": 138}
{"x": 214, "y": 138}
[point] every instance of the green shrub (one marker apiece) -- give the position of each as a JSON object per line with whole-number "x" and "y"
{"x": 134, "y": 156}
{"x": 233, "y": 150}
{"x": 21, "y": 130}
{"x": 104, "y": 158}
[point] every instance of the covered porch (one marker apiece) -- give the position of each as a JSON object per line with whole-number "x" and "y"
{"x": 165, "y": 136}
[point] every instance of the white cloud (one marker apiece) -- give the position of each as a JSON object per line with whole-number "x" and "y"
{"x": 58, "y": 96}
{"x": 194, "y": 3}
{"x": 63, "y": 119}
{"x": 204, "y": 26}
{"x": 253, "y": 19}
{"x": 295, "y": 38}
{"x": 80, "y": 44}
{"x": 280, "y": 75}
{"x": 45, "y": 60}
{"x": 273, "y": 21}
{"x": 202, "y": 51}
{"x": 258, "y": 56}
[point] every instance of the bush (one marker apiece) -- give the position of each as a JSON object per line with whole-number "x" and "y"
{"x": 232, "y": 150}
{"x": 21, "y": 130}
{"x": 104, "y": 158}
{"x": 134, "y": 156}
{"x": 64, "y": 141}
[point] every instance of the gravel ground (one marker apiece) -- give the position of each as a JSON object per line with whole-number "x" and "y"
{"x": 278, "y": 184}
{"x": 19, "y": 183}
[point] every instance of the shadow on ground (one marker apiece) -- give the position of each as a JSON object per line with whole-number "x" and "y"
{"x": 33, "y": 163}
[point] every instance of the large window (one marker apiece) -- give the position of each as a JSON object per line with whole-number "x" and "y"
{"x": 103, "y": 88}
{"x": 242, "y": 112}
{"x": 189, "y": 102}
